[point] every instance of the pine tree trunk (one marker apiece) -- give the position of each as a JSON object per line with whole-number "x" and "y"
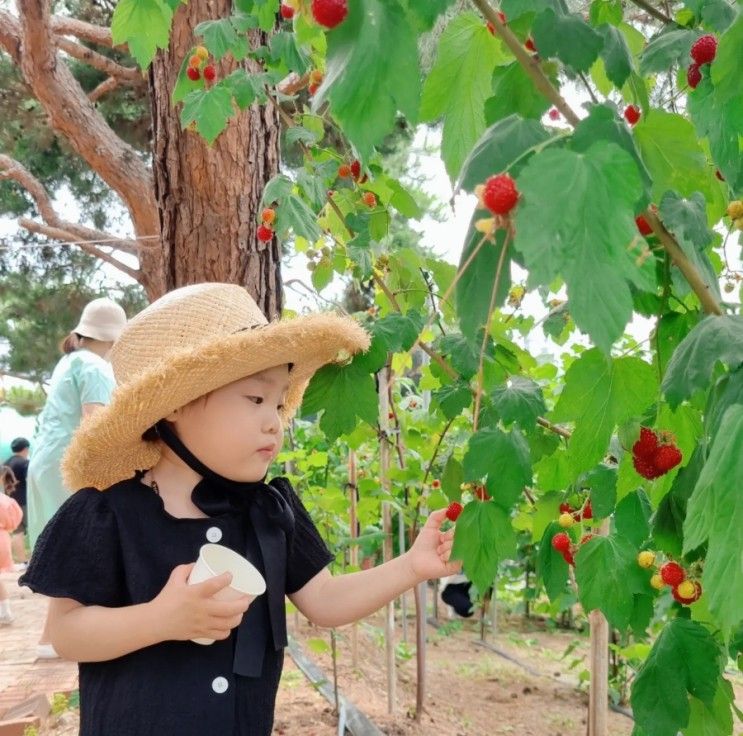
{"x": 208, "y": 196}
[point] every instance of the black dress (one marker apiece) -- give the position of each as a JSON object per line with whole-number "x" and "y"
{"x": 118, "y": 548}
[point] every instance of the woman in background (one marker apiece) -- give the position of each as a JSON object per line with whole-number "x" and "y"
{"x": 81, "y": 384}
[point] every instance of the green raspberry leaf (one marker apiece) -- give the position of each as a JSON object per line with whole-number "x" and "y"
{"x": 552, "y": 569}
{"x": 390, "y": 84}
{"x": 144, "y": 25}
{"x": 210, "y": 109}
{"x": 499, "y": 147}
{"x": 399, "y": 331}
{"x": 685, "y": 660}
{"x": 569, "y": 38}
{"x": 616, "y": 55}
{"x": 599, "y": 394}
{"x": 667, "y": 48}
{"x": 519, "y": 400}
{"x": 716, "y": 338}
{"x": 504, "y": 458}
{"x": 670, "y": 148}
{"x": 219, "y": 36}
{"x": 345, "y": 394}
{"x": 466, "y": 51}
{"x": 558, "y": 237}
{"x": 715, "y": 516}
{"x": 483, "y": 538}
{"x": 608, "y": 576}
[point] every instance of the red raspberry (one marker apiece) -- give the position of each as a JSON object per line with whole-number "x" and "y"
{"x": 500, "y": 194}
{"x": 667, "y": 457}
{"x": 312, "y": 89}
{"x": 344, "y": 171}
{"x": 588, "y": 510}
{"x": 268, "y": 215}
{"x": 370, "y": 199}
{"x": 530, "y": 45}
{"x": 554, "y": 113}
{"x": 264, "y": 233}
{"x": 193, "y": 74}
{"x": 643, "y": 225}
{"x": 704, "y": 50}
{"x": 287, "y": 11}
{"x": 195, "y": 61}
{"x": 356, "y": 169}
{"x": 561, "y": 542}
{"x": 565, "y": 508}
{"x": 646, "y": 446}
{"x": 692, "y": 599}
{"x": 672, "y": 573}
{"x": 693, "y": 75}
{"x": 645, "y": 467}
{"x": 632, "y": 114}
{"x": 455, "y": 508}
{"x": 568, "y": 557}
{"x": 329, "y": 13}
{"x": 210, "y": 73}
{"x": 435, "y": 483}
{"x": 481, "y": 493}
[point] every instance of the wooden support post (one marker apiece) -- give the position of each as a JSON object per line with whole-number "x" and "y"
{"x": 598, "y": 701}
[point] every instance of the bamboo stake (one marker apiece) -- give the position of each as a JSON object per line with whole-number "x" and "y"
{"x": 385, "y": 450}
{"x": 354, "y": 555}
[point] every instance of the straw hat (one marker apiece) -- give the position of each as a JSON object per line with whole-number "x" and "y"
{"x": 187, "y": 343}
{"x": 102, "y": 319}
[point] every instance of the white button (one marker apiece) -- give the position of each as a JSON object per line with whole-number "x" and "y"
{"x": 214, "y": 534}
{"x": 220, "y": 685}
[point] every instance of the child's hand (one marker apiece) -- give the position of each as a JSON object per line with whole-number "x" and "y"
{"x": 191, "y": 611}
{"x": 429, "y": 555}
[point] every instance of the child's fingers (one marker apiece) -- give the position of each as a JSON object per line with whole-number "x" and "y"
{"x": 212, "y": 586}
{"x": 436, "y": 519}
{"x": 444, "y": 550}
{"x": 446, "y": 536}
{"x": 228, "y": 609}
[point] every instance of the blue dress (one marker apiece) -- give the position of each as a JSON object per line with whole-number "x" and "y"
{"x": 79, "y": 378}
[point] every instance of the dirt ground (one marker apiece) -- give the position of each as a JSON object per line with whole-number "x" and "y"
{"x": 471, "y": 690}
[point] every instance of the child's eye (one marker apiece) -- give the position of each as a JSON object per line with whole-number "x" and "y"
{"x": 256, "y": 399}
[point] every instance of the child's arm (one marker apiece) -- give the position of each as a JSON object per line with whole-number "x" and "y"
{"x": 334, "y": 601}
{"x": 180, "y": 612}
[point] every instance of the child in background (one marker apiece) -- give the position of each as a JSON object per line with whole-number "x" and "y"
{"x": 11, "y": 516}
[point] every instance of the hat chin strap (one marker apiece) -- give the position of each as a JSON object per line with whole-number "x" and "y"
{"x": 166, "y": 433}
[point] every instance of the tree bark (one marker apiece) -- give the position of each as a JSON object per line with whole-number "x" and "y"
{"x": 208, "y": 197}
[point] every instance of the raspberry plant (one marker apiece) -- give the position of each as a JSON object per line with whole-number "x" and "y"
{"x": 621, "y": 214}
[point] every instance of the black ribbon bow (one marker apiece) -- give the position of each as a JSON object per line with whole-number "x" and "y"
{"x": 273, "y": 522}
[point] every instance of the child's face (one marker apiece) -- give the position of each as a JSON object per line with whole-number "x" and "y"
{"x": 236, "y": 430}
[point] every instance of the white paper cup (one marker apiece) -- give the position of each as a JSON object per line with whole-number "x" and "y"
{"x": 215, "y": 559}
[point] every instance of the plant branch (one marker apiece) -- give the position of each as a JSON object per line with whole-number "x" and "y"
{"x": 528, "y": 62}
{"x": 64, "y": 235}
{"x": 650, "y": 10}
{"x": 15, "y": 171}
{"x": 106, "y": 86}
{"x": 687, "y": 268}
{"x": 129, "y": 74}
{"x": 64, "y": 26}
{"x": 491, "y": 307}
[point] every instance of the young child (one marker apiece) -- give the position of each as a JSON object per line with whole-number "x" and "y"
{"x": 11, "y": 515}
{"x": 205, "y": 386}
